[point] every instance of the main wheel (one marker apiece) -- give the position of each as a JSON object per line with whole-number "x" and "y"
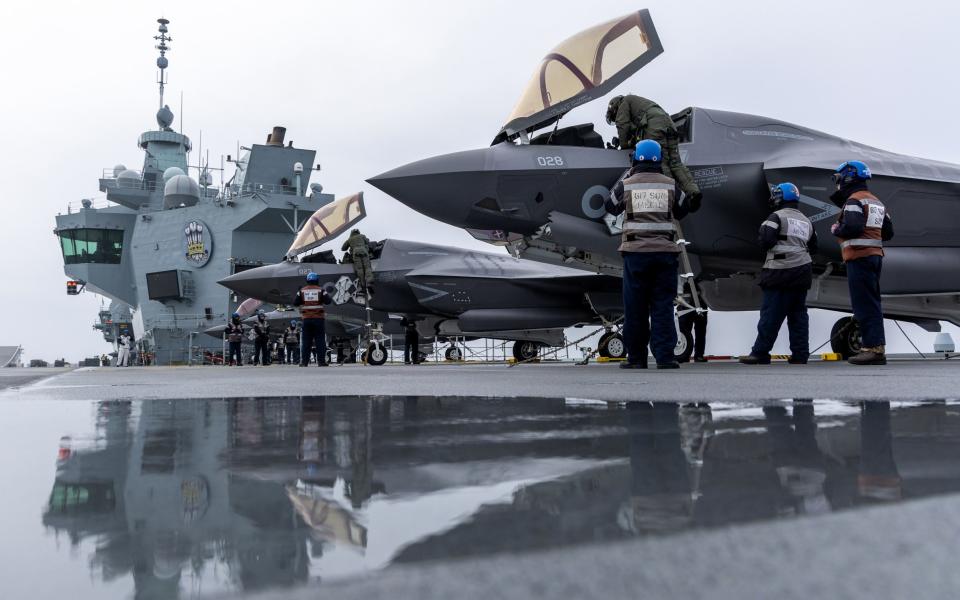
{"x": 845, "y": 337}
{"x": 376, "y": 355}
{"x": 453, "y": 353}
{"x": 612, "y": 346}
{"x": 523, "y": 350}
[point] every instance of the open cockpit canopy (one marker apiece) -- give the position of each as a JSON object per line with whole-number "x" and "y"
{"x": 327, "y": 223}
{"x": 581, "y": 68}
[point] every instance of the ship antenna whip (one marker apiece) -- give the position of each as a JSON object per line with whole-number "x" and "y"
{"x": 162, "y": 61}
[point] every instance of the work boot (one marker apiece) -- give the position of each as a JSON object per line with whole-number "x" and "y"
{"x": 870, "y": 356}
{"x": 797, "y": 360}
{"x": 699, "y": 359}
{"x": 669, "y": 365}
{"x": 753, "y": 359}
{"x": 633, "y": 365}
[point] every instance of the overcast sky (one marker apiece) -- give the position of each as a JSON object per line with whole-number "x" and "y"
{"x": 372, "y": 85}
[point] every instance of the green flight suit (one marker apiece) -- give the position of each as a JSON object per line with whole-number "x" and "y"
{"x": 641, "y": 119}
{"x": 359, "y": 247}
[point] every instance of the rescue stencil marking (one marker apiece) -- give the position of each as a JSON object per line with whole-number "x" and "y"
{"x": 798, "y": 228}
{"x": 650, "y": 201}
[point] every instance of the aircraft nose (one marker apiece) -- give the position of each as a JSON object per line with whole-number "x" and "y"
{"x": 247, "y": 283}
{"x": 443, "y": 187}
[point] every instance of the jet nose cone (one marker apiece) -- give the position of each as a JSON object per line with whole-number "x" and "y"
{"x": 443, "y": 187}
{"x": 271, "y": 283}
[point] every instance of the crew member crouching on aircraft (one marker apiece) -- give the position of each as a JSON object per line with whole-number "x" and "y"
{"x": 863, "y": 226}
{"x": 311, "y": 299}
{"x": 788, "y": 238}
{"x": 650, "y": 256}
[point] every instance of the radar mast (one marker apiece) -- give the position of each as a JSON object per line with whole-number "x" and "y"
{"x": 164, "y": 115}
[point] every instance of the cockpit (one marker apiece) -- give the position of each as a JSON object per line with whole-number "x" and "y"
{"x": 327, "y": 223}
{"x": 583, "y": 67}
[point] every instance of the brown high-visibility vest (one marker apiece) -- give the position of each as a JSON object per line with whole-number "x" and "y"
{"x": 312, "y": 307}
{"x": 870, "y": 243}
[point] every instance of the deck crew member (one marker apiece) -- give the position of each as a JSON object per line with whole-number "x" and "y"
{"x": 863, "y": 226}
{"x": 261, "y": 340}
{"x": 359, "y": 247}
{"x": 650, "y": 260}
{"x": 311, "y": 298}
{"x": 411, "y": 342}
{"x": 234, "y": 335}
{"x": 788, "y": 238}
{"x": 291, "y": 339}
{"x": 123, "y": 350}
{"x": 638, "y": 119}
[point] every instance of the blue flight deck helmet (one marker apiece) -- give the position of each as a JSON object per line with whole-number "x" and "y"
{"x": 850, "y": 171}
{"x": 784, "y": 192}
{"x": 647, "y": 151}
{"x": 312, "y": 277}
{"x": 235, "y": 315}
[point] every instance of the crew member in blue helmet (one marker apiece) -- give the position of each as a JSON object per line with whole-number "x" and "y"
{"x": 311, "y": 299}
{"x": 863, "y": 226}
{"x": 788, "y": 238}
{"x": 650, "y": 256}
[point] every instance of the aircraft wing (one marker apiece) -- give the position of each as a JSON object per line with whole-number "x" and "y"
{"x": 584, "y": 67}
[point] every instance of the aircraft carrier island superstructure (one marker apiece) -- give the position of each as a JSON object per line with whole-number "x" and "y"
{"x": 161, "y": 241}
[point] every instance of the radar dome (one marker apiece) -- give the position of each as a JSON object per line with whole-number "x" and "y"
{"x": 180, "y": 190}
{"x": 172, "y": 172}
{"x": 128, "y": 178}
{"x": 316, "y": 188}
{"x": 162, "y": 62}
{"x": 119, "y": 168}
{"x": 206, "y": 179}
{"x": 165, "y": 117}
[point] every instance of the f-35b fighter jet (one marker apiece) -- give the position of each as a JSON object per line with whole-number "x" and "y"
{"x": 543, "y": 195}
{"x": 448, "y": 292}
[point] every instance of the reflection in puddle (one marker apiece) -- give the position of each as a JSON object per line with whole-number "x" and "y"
{"x": 260, "y": 493}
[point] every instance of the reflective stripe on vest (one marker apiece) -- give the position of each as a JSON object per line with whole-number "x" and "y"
{"x": 862, "y": 242}
{"x": 795, "y": 231}
{"x": 634, "y": 226}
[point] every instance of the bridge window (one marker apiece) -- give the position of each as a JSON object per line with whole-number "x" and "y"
{"x": 98, "y": 246}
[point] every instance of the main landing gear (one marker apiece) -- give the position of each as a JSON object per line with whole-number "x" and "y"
{"x": 845, "y": 337}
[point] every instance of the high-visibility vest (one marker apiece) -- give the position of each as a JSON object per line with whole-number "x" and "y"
{"x": 648, "y": 224}
{"x": 312, "y": 307}
{"x": 795, "y": 231}
{"x": 871, "y": 242}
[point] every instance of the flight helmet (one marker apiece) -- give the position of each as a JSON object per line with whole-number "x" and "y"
{"x": 783, "y": 192}
{"x": 612, "y": 108}
{"x": 312, "y": 277}
{"x": 851, "y": 171}
{"x": 647, "y": 151}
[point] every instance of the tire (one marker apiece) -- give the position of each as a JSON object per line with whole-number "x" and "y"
{"x": 422, "y": 356}
{"x": 684, "y": 347}
{"x": 612, "y": 346}
{"x": 845, "y": 337}
{"x": 376, "y": 355}
{"x": 523, "y": 350}
{"x": 453, "y": 353}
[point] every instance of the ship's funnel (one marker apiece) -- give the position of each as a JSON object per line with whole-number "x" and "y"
{"x": 276, "y": 138}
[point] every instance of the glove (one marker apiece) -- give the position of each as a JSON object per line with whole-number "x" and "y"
{"x": 695, "y": 201}
{"x": 615, "y": 142}
{"x": 834, "y": 228}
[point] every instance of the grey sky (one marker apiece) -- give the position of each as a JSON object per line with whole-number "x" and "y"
{"x": 373, "y": 85}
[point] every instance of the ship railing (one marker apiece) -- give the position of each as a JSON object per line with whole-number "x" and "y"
{"x": 187, "y": 320}
{"x": 75, "y": 205}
